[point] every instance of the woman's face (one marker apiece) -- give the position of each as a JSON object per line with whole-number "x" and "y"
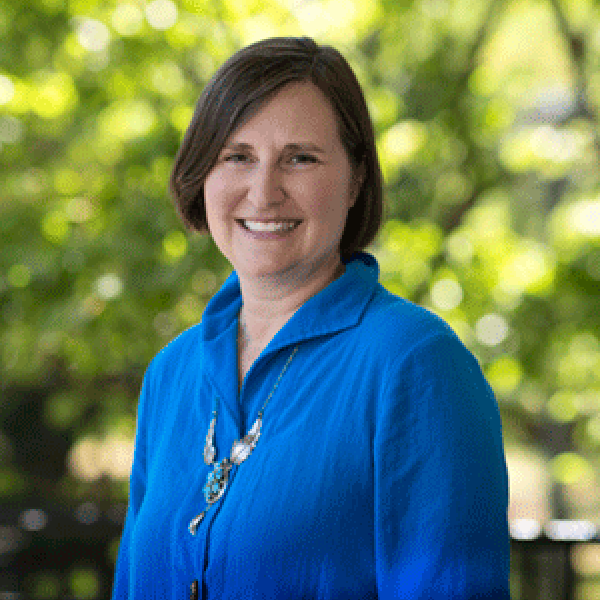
{"x": 286, "y": 166}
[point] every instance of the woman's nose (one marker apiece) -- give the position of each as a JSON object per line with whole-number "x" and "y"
{"x": 266, "y": 186}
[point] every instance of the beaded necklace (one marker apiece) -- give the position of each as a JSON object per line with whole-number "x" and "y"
{"x": 217, "y": 479}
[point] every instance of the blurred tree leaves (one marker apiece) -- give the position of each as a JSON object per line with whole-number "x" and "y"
{"x": 486, "y": 119}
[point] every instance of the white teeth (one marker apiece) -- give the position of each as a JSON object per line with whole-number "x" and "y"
{"x": 272, "y": 226}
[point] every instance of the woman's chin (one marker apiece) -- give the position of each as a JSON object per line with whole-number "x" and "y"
{"x": 272, "y": 269}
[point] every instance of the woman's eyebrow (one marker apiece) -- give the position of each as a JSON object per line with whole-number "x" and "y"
{"x": 296, "y": 146}
{"x": 304, "y": 146}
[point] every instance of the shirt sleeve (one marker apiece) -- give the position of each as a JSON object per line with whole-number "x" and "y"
{"x": 137, "y": 487}
{"x": 441, "y": 484}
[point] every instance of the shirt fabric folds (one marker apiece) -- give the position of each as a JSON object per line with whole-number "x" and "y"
{"x": 379, "y": 473}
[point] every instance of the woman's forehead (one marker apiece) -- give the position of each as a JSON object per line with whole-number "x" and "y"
{"x": 299, "y": 113}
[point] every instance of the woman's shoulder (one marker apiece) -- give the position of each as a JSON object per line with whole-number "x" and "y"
{"x": 414, "y": 347}
{"x": 396, "y": 323}
{"x": 182, "y": 349}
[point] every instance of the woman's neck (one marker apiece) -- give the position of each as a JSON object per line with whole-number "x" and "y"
{"x": 268, "y": 306}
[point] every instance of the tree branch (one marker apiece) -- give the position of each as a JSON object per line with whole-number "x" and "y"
{"x": 577, "y": 53}
{"x": 453, "y": 220}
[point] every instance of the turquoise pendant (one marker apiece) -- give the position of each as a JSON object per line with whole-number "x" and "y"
{"x": 216, "y": 482}
{"x": 213, "y": 489}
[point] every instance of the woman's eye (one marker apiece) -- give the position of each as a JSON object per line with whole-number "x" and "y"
{"x": 303, "y": 159}
{"x": 235, "y": 158}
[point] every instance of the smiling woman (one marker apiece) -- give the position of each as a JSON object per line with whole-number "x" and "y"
{"x": 241, "y": 87}
{"x": 265, "y": 178}
{"x": 314, "y": 437}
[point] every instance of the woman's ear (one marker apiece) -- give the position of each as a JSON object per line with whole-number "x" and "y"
{"x": 358, "y": 178}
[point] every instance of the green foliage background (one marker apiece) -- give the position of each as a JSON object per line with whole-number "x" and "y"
{"x": 487, "y": 122}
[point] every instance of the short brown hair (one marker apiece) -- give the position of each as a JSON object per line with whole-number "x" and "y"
{"x": 237, "y": 91}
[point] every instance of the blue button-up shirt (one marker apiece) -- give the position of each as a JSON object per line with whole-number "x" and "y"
{"x": 379, "y": 472}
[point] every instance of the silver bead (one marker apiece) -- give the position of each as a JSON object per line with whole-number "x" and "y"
{"x": 193, "y": 526}
{"x": 255, "y": 431}
{"x": 240, "y": 452}
{"x": 209, "y": 454}
{"x": 209, "y": 448}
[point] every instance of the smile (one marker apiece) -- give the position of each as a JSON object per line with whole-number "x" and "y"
{"x": 268, "y": 226}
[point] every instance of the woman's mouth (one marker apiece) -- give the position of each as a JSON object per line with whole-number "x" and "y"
{"x": 285, "y": 225}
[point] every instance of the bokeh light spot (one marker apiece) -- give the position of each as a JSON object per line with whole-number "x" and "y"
{"x": 7, "y": 90}
{"x": 54, "y": 95}
{"x": 459, "y": 248}
{"x": 525, "y": 529}
{"x": 491, "y": 329}
{"x": 584, "y": 218}
{"x": 572, "y": 530}
{"x": 403, "y": 140}
{"x": 569, "y": 467}
{"x": 530, "y": 267}
{"x": 79, "y": 210}
{"x": 43, "y": 585}
{"x": 55, "y": 226}
{"x": 11, "y": 539}
{"x": 128, "y": 119}
{"x": 117, "y": 456}
{"x": 161, "y": 14}
{"x": 84, "y": 459}
{"x": 33, "y": 519}
{"x": 165, "y": 324}
{"x": 67, "y": 181}
{"x": 19, "y": 276}
{"x": 504, "y": 374}
{"x": 93, "y": 35}
{"x": 109, "y": 286}
{"x": 562, "y": 406}
{"x": 446, "y": 294}
{"x": 62, "y": 409}
{"x": 175, "y": 244}
{"x": 85, "y": 584}
{"x": 167, "y": 78}
{"x": 127, "y": 19}
{"x": 87, "y": 513}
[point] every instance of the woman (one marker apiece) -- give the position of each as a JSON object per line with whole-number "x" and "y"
{"x": 314, "y": 436}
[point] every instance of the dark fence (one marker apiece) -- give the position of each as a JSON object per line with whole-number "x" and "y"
{"x": 55, "y": 552}
{"x": 542, "y": 565}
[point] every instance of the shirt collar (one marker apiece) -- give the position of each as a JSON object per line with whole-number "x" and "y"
{"x": 338, "y": 306}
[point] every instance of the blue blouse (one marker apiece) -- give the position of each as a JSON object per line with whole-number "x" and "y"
{"x": 379, "y": 473}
